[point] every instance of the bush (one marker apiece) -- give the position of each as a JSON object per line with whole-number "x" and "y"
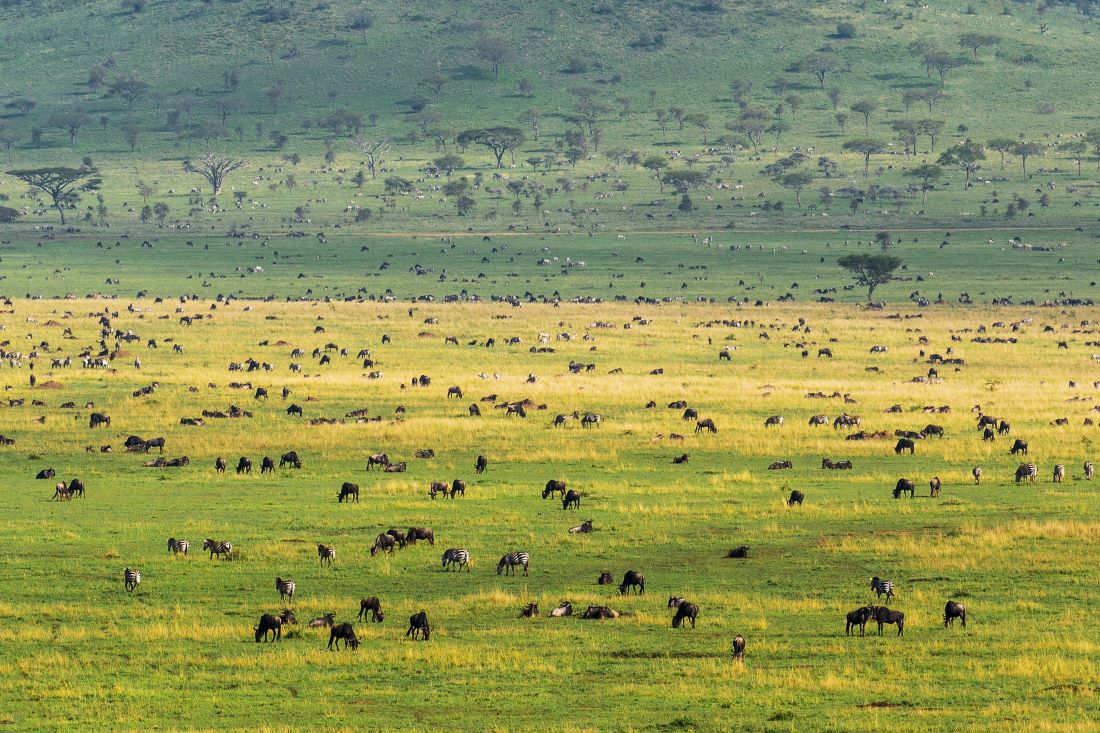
{"x": 845, "y": 30}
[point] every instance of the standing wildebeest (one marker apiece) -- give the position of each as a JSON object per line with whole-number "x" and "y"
{"x": 989, "y": 435}
{"x": 481, "y": 464}
{"x": 776, "y": 420}
{"x": 378, "y": 459}
{"x": 383, "y": 543}
{"x": 290, "y": 458}
{"x": 739, "y": 648}
{"x": 456, "y": 557}
{"x": 976, "y": 472}
{"x": 633, "y": 580}
{"x": 858, "y": 617}
{"x": 244, "y": 465}
{"x": 797, "y": 497}
{"x": 1028, "y": 471}
{"x": 273, "y": 625}
{"x": 605, "y": 579}
{"x": 420, "y": 533}
{"x": 885, "y": 616}
{"x": 261, "y": 393}
{"x": 929, "y": 430}
{"x": 345, "y": 632}
{"x": 373, "y": 605}
{"x": 454, "y": 392}
{"x": 690, "y": 414}
{"x": 219, "y": 465}
{"x": 571, "y": 499}
{"x": 904, "y": 444}
{"x": 552, "y": 486}
{"x": 684, "y": 610}
{"x": 458, "y": 486}
{"x": 1018, "y": 446}
{"x": 294, "y": 410}
{"x": 97, "y": 418}
{"x": 903, "y": 485}
{"x": 475, "y": 411}
{"x": 76, "y": 486}
{"x": 738, "y": 552}
{"x": 418, "y": 623}
{"x": 267, "y": 465}
{"x": 825, "y": 352}
{"x": 61, "y": 492}
{"x": 934, "y": 487}
{"x": 397, "y": 535}
{"x": 1059, "y": 473}
{"x": 437, "y": 487}
{"x": 954, "y": 611}
{"x": 705, "y": 425}
{"x": 1004, "y": 428}
{"x": 348, "y": 491}
{"x": 327, "y": 553}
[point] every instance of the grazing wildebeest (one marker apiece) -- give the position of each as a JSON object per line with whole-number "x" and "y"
{"x": 605, "y": 579}
{"x": 705, "y": 425}
{"x": 904, "y": 444}
{"x": 347, "y": 492}
{"x": 571, "y": 499}
{"x": 481, "y": 464}
{"x": 934, "y": 487}
{"x": 394, "y": 468}
{"x": 373, "y": 605}
{"x": 420, "y": 533}
{"x": 780, "y": 466}
{"x": 858, "y": 617}
{"x": 475, "y": 411}
{"x": 290, "y": 458}
{"x": 327, "y": 553}
{"x": 776, "y": 420}
{"x": 583, "y": 528}
{"x": 739, "y": 648}
{"x": 565, "y": 608}
{"x": 347, "y": 633}
{"x": 294, "y": 410}
{"x": 690, "y": 414}
{"x": 244, "y": 465}
{"x": 45, "y": 473}
{"x": 599, "y": 613}
{"x": 397, "y": 535}
{"x": 383, "y": 543}
{"x": 796, "y": 497}
{"x": 954, "y": 611}
{"x": 1003, "y": 428}
{"x": 989, "y": 435}
{"x": 684, "y": 610}
{"x": 1028, "y": 471}
{"x": 97, "y": 418}
{"x": 531, "y": 610}
{"x": 680, "y": 459}
{"x": 267, "y": 465}
{"x": 633, "y": 580}
{"x": 261, "y": 393}
{"x": 456, "y": 558}
{"x": 454, "y": 392}
{"x": 1018, "y": 446}
{"x": 219, "y": 465}
{"x": 976, "y": 472}
{"x": 418, "y": 623}
{"x": 76, "y": 486}
{"x": 458, "y": 486}
{"x": 738, "y": 552}
{"x": 378, "y": 459}
{"x": 437, "y": 487}
{"x": 885, "y": 616}
{"x": 62, "y": 492}
{"x": 825, "y": 352}
{"x": 1059, "y": 473}
{"x": 904, "y": 485}
{"x": 321, "y": 622}
{"x": 936, "y": 430}
{"x": 273, "y": 625}
{"x": 553, "y": 486}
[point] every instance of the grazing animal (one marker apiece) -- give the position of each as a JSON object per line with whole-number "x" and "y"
{"x": 739, "y": 648}
{"x": 97, "y": 419}
{"x": 680, "y": 459}
{"x": 220, "y": 465}
{"x": 290, "y": 458}
{"x": 76, "y": 486}
{"x": 327, "y": 553}
{"x": 373, "y": 605}
{"x": 345, "y": 632}
{"x": 132, "y": 579}
{"x": 273, "y": 625}
{"x": 690, "y": 414}
{"x": 583, "y": 528}
{"x": 328, "y": 620}
{"x": 1028, "y": 471}
{"x": 61, "y": 492}
{"x": 934, "y": 487}
{"x": 218, "y": 548}
{"x": 705, "y": 425}
{"x": 858, "y": 617}
{"x": 244, "y": 465}
{"x": 796, "y": 497}
{"x": 929, "y": 430}
{"x": 378, "y": 459}
{"x": 178, "y": 547}
{"x": 458, "y": 486}
{"x": 989, "y": 435}
{"x": 565, "y": 609}
{"x": 456, "y": 558}
{"x": 1059, "y": 473}
{"x": 267, "y": 465}
{"x": 397, "y": 535}
{"x": 605, "y": 579}
{"x": 819, "y": 420}
{"x": 530, "y": 611}
{"x": 420, "y": 533}
{"x": 294, "y": 410}
{"x": 774, "y": 421}
{"x": 882, "y": 587}
{"x": 285, "y": 587}
{"x": 571, "y": 499}
{"x": 454, "y": 392}
{"x": 1088, "y": 470}
{"x": 885, "y": 616}
{"x": 481, "y": 464}
{"x": 1018, "y": 446}
{"x": 553, "y": 486}
{"x": 903, "y": 485}
{"x": 508, "y": 563}
{"x": 45, "y": 473}
{"x": 633, "y": 580}
{"x": 418, "y": 623}
{"x": 592, "y": 419}
{"x": 904, "y": 444}
{"x": 738, "y": 552}
{"x": 475, "y": 411}
{"x": 684, "y": 611}
{"x": 976, "y": 472}
{"x": 780, "y": 466}
{"x": 954, "y": 611}
{"x": 437, "y": 487}
{"x": 383, "y": 543}
{"x": 347, "y": 492}
{"x": 1004, "y": 428}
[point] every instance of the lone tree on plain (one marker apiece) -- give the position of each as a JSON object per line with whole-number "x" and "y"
{"x": 870, "y": 270}
{"x": 865, "y": 107}
{"x": 499, "y": 140}
{"x": 214, "y": 167}
{"x": 70, "y": 122}
{"x": 866, "y": 147}
{"x": 1001, "y": 145}
{"x": 58, "y": 183}
{"x": 820, "y": 65}
{"x": 1024, "y": 151}
{"x": 796, "y": 182}
{"x": 372, "y": 150}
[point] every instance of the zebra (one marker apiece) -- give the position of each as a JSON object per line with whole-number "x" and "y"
{"x": 1059, "y": 473}
{"x": 977, "y": 474}
{"x": 132, "y": 578}
{"x": 218, "y": 548}
{"x": 590, "y": 419}
{"x": 511, "y": 560}
{"x": 776, "y": 420}
{"x": 178, "y": 547}
{"x": 1088, "y": 470}
{"x": 456, "y": 558}
{"x": 285, "y": 588}
{"x": 326, "y": 553}
{"x": 1028, "y": 471}
{"x": 882, "y": 586}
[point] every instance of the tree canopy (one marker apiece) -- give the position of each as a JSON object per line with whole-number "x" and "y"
{"x": 870, "y": 270}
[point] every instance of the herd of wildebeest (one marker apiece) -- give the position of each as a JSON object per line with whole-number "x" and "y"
{"x": 458, "y": 558}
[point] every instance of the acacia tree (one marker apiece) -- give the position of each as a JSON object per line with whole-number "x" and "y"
{"x": 1074, "y": 150}
{"x": 820, "y": 65}
{"x": 928, "y": 175}
{"x": 214, "y": 167}
{"x": 974, "y": 41}
{"x": 752, "y": 123}
{"x": 865, "y": 146}
{"x": 8, "y": 137}
{"x": 70, "y": 122}
{"x": 864, "y": 107}
{"x": 655, "y": 163}
{"x": 58, "y": 183}
{"x": 966, "y": 155}
{"x": 1026, "y": 150}
{"x": 1093, "y": 139}
{"x": 1002, "y": 145}
{"x": 494, "y": 51}
{"x": 372, "y": 150}
{"x": 498, "y": 140}
{"x": 129, "y": 88}
{"x": 795, "y": 181}
{"x": 870, "y": 270}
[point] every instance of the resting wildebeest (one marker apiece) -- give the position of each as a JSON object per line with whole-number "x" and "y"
{"x": 373, "y": 605}
{"x": 244, "y": 465}
{"x": 780, "y": 466}
{"x": 418, "y": 623}
{"x": 552, "y": 486}
{"x": 383, "y": 543}
{"x": 680, "y": 459}
{"x": 738, "y": 552}
{"x": 796, "y": 497}
{"x": 420, "y": 533}
{"x": 583, "y": 528}
{"x": 481, "y": 464}
{"x": 599, "y": 613}
{"x": 903, "y": 485}
{"x": 267, "y": 465}
{"x": 1018, "y": 446}
{"x": 97, "y": 418}
{"x": 378, "y": 459}
{"x": 290, "y": 458}
{"x": 424, "y": 453}
{"x": 347, "y": 633}
{"x": 684, "y": 610}
{"x": 45, "y": 473}
{"x": 904, "y": 444}
{"x": 571, "y": 499}
{"x": 605, "y": 579}
{"x": 885, "y": 616}
{"x": 348, "y": 491}
{"x": 634, "y": 580}
{"x": 273, "y": 625}
{"x": 565, "y": 608}
{"x": 394, "y": 468}
{"x": 858, "y": 617}
{"x": 954, "y": 611}
{"x": 219, "y": 465}
{"x": 530, "y": 611}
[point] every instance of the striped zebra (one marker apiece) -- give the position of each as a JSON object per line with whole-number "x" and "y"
{"x": 1059, "y": 473}
{"x": 218, "y": 548}
{"x": 285, "y": 588}
{"x": 1088, "y": 470}
{"x": 881, "y": 587}
{"x": 1028, "y": 471}
{"x": 456, "y": 558}
{"x": 132, "y": 578}
{"x": 511, "y": 560}
{"x": 326, "y": 553}
{"x": 178, "y": 547}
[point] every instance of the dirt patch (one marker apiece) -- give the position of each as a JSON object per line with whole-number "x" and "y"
{"x": 49, "y": 385}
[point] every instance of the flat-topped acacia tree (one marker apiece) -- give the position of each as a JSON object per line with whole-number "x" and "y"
{"x": 58, "y": 183}
{"x": 214, "y": 167}
{"x": 870, "y": 270}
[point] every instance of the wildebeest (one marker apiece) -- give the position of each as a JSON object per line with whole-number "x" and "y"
{"x": 244, "y": 465}
{"x": 481, "y": 464}
{"x": 45, "y": 473}
{"x": 321, "y": 622}
{"x": 553, "y": 486}
{"x": 599, "y": 613}
{"x": 936, "y": 430}
{"x": 219, "y": 465}
{"x": 261, "y": 393}
{"x": 383, "y": 543}
{"x": 294, "y": 410}
{"x": 454, "y": 392}
{"x": 690, "y": 414}
{"x": 346, "y": 632}
{"x": 989, "y": 435}
{"x": 605, "y": 579}
{"x": 394, "y": 468}
{"x": 583, "y": 528}
{"x": 420, "y": 533}
{"x": 437, "y": 487}
{"x": 397, "y": 535}
{"x": 418, "y": 623}
{"x": 954, "y": 611}
{"x": 780, "y": 466}
{"x": 62, "y": 492}
{"x": 531, "y": 610}
{"x": 348, "y": 491}
{"x": 684, "y": 610}
{"x": 738, "y": 552}
{"x": 571, "y": 499}
{"x": 796, "y": 497}
{"x": 565, "y": 608}
{"x": 738, "y": 648}
{"x": 858, "y": 617}
{"x": 885, "y": 616}
{"x": 458, "y": 486}
{"x": 378, "y": 459}
{"x": 706, "y": 425}
{"x": 267, "y": 465}
{"x": 825, "y": 352}
{"x": 424, "y": 453}
{"x": 475, "y": 411}
{"x": 1018, "y": 446}
{"x": 904, "y": 444}
{"x": 904, "y": 485}
{"x": 774, "y": 420}
{"x": 976, "y": 472}
{"x": 633, "y": 580}
{"x": 290, "y": 458}
{"x": 680, "y": 459}
{"x": 373, "y": 605}
{"x": 934, "y": 487}
{"x": 273, "y": 625}
{"x": 97, "y": 418}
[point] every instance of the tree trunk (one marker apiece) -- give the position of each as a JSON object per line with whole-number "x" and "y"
{"x": 57, "y": 205}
